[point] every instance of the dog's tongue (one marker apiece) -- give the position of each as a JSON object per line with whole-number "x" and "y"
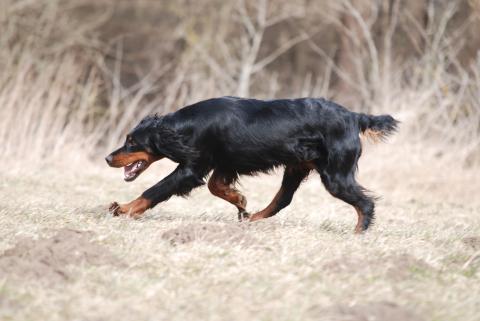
{"x": 129, "y": 170}
{"x": 132, "y": 170}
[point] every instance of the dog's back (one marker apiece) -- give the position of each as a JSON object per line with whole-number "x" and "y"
{"x": 249, "y": 135}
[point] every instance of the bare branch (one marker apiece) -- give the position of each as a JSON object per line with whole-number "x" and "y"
{"x": 282, "y": 17}
{"x": 278, "y": 52}
{"x": 262, "y": 13}
{"x": 245, "y": 18}
{"x": 214, "y": 66}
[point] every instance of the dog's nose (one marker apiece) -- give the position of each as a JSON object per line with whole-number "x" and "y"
{"x": 109, "y": 159}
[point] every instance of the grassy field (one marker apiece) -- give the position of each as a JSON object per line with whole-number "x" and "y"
{"x": 189, "y": 259}
{"x": 77, "y": 75}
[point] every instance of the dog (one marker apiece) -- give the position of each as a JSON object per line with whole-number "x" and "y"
{"x": 231, "y": 136}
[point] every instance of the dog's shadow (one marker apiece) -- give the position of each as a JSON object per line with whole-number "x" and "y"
{"x": 101, "y": 212}
{"x": 160, "y": 215}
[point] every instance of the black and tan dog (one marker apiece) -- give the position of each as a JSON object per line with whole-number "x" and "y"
{"x": 235, "y": 136}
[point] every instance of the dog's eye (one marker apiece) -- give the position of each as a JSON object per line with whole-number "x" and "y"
{"x": 130, "y": 142}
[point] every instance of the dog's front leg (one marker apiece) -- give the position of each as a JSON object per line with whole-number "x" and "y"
{"x": 180, "y": 182}
{"x": 133, "y": 209}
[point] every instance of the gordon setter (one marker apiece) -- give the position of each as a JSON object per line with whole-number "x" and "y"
{"x": 235, "y": 136}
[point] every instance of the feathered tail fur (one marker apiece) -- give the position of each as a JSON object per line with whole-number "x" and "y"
{"x": 377, "y": 128}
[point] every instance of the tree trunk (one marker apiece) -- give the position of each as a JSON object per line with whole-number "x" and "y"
{"x": 351, "y": 40}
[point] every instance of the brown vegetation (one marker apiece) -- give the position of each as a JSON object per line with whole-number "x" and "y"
{"x": 85, "y": 71}
{"x": 77, "y": 74}
{"x": 49, "y": 259}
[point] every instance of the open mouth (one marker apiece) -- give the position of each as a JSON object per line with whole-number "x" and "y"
{"x": 132, "y": 170}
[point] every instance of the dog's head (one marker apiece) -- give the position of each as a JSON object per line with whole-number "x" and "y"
{"x": 138, "y": 152}
{"x": 152, "y": 139}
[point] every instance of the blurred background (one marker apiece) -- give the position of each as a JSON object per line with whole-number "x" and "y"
{"x": 78, "y": 74}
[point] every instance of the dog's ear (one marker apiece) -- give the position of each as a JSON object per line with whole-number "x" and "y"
{"x": 172, "y": 145}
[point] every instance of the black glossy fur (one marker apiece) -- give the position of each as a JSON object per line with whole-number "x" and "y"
{"x": 238, "y": 136}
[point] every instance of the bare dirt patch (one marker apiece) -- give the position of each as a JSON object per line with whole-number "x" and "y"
{"x": 211, "y": 233}
{"x": 375, "y": 311}
{"x": 49, "y": 258}
{"x": 472, "y": 242}
{"x": 398, "y": 267}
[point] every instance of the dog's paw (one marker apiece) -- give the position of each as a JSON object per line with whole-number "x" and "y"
{"x": 114, "y": 208}
{"x": 256, "y": 217}
{"x": 133, "y": 209}
{"x": 243, "y": 216}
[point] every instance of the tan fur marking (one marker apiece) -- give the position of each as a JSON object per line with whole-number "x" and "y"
{"x": 269, "y": 210}
{"x": 373, "y": 136}
{"x": 221, "y": 187}
{"x": 361, "y": 216}
{"x": 133, "y": 209}
{"x": 124, "y": 159}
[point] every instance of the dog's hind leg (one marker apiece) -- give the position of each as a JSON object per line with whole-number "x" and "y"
{"x": 338, "y": 177}
{"x": 345, "y": 187}
{"x": 220, "y": 185}
{"x": 292, "y": 178}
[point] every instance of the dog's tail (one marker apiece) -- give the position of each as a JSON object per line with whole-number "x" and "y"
{"x": 377, "y": 128}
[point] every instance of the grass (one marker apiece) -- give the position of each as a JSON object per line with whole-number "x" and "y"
{"x": 296, "y": 266}
{"x": 67, "y": 107}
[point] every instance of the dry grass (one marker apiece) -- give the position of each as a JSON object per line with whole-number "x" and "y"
{"x": 62, "y": 98}
{"x": 63, "y": 106}
{"x": 304, "y": 264}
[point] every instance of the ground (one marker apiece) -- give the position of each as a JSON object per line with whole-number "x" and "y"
{"x": 62, "y": 256}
